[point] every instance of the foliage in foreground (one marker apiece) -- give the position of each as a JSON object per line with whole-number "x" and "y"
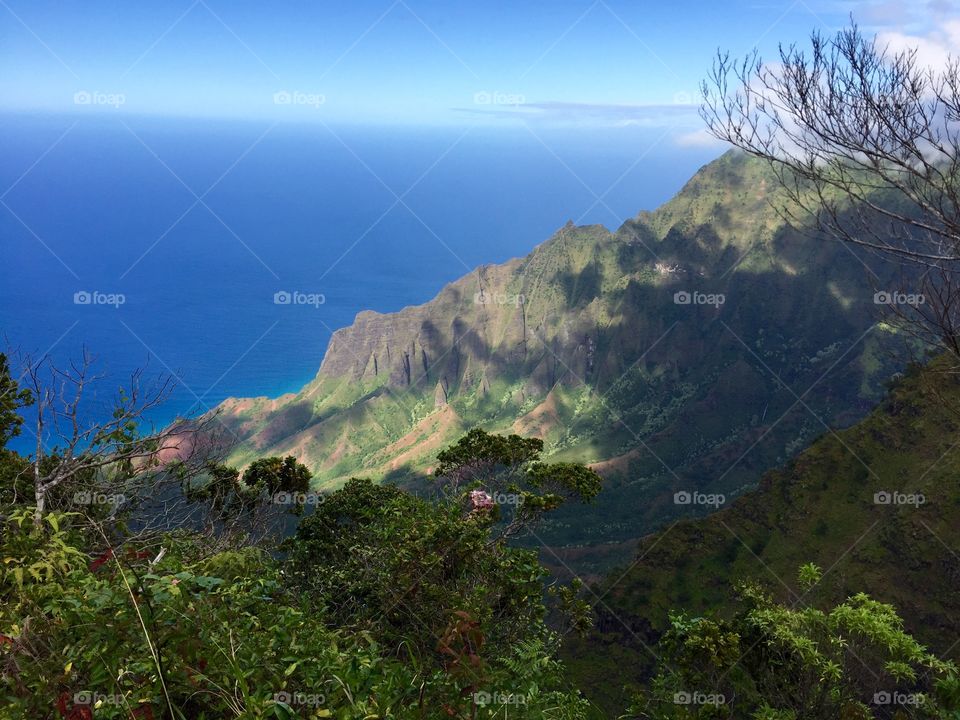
{"x": 797, "y": 662}
{"x": 386, "y": 605}
{"x": 137, "y": 634}
{"x": 101, "y": 619}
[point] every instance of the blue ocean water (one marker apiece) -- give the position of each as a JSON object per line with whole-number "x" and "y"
{"x": 368, "y": 217}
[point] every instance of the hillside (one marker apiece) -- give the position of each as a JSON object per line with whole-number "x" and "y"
{"x": 584, "y": 344}
{"x": 877, "y": 506}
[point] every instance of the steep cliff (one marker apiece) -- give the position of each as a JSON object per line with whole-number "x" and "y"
{"x": 692, "y": 349}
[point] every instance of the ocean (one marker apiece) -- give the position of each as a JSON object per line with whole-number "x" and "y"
{"x": 225, "y": 253}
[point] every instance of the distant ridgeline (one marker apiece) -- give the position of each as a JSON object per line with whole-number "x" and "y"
{"x": 876, "y": 506}
{"x": 685, "y": 354}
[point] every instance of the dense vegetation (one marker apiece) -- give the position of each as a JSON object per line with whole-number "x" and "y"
{"x": 776, "y": 662}
{"x": 382, "y": 604}
{"x": 874, "y": 505}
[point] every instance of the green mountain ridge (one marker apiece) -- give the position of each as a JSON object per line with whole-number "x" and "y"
{"x": 875, "y": 506}
{"x": 584, "y": 344}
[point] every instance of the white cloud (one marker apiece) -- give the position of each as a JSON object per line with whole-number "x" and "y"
{"x": 908, "y": 17}
{"x": 933, "y": 49}
{"x": 680, "y": 115}
{"x": 698, "y": 138}
{"x": 932, "y": 28}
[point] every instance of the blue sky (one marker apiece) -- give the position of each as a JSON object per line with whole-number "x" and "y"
{"x": 590, "y": 62}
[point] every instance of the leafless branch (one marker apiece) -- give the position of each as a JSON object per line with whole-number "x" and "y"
{"x": 864, "y": 143}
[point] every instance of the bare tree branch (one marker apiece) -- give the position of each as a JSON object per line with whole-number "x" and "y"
{"x": 864, "y": 143}
{"x": 106, "y": 462}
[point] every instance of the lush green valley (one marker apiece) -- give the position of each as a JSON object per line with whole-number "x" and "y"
{"x": 875, "y": 506}
{"x": 382, "y": 604}
{"x": 588, "y": 343}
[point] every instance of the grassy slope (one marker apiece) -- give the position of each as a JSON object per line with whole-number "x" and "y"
{"x": 819, "y": 508}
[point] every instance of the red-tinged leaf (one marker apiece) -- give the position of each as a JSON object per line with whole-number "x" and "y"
{"x": 98, "y": 563}
{"x": 143, "y": 711}
{"x": 77, "y": 712}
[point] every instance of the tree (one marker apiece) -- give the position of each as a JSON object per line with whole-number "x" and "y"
{"x": 427, "y": 585}
{"x": 12, "y": 399}
{"x": 776, "y": 662}
{"x": 277, "y": 475}
{"x": 183, "y": 634}
{"x": 504, "y": 476}
{"x": 435, "y": 581}
{"x": 179, "y": 634}
{"x": 115, "y": 471}
{"x": 377, "y": 558}
{"x": 255, "y": 500}
{"x": 13, "y": 468}
{"x": 866, "y": 144}
{"x": 108, "y": 454}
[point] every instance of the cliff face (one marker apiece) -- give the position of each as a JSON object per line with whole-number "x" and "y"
{"x": 663, "y": 351}
{"x": 406, "y": 348}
